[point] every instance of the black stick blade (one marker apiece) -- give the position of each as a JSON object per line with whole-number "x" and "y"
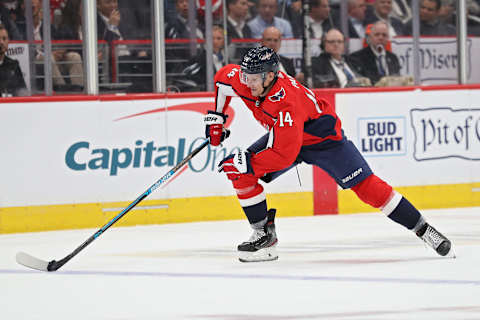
{"x": 31, "y": 262}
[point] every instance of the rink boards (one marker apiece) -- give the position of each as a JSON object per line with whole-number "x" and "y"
{"x": 76, "y": 162}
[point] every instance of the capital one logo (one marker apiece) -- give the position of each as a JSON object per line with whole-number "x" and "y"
{"x": 87, "y": 156}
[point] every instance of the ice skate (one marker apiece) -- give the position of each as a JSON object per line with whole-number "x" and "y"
{"x": 435, "y": 239}
{"x": 262, "y": 244}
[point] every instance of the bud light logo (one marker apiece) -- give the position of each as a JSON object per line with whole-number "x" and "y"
{"x": 382, "y": 136}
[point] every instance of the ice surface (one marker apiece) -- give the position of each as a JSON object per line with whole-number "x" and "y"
{"x": 359, "y": 266}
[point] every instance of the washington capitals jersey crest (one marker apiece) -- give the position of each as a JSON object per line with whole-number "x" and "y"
{"x": 279, "y": 95}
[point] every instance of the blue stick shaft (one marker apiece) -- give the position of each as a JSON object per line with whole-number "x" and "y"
{"x": 55, "y": 265}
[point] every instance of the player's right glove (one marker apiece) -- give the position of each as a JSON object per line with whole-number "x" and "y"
{"x": 214, "y": 129}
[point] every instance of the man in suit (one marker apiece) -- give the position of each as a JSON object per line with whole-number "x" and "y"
{"x": 382, "y": 10}
{"x": 272, "y": 38}
{"x": 319, "y": 17}
{"x": 237, "y": 27}
{"x": 196, "y": 70}
{"x": 373, "y": 61}
{"x": 332, "y": 68}
{"x": 356, "y": 18}
{"x": 11, "y": 77}
{"x": 111, "y": 26}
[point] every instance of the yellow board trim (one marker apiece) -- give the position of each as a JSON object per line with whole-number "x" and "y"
{"x": 95, "y": 215}
{"x": 422, "y": 197}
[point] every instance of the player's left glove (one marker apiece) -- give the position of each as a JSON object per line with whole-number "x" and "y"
{"x": 214, "y": 129}
{"x": 236, "y": 164}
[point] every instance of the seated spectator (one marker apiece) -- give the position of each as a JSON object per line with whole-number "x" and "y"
{"x": 9, "y": 24}
{"x": 373, "y": 61}
{"x": 356, "y": 18}
{"x": 447, "y": 14}
{"x": 332, "y": 68}
{"x": 63, "y": 61}
{"x": 319, "y": 17}
{"x": 137, "y": 14}
{"x": 382, "y": 10}
{"x": 11, "y": 77}
{"x": 430, "y": 24}
{"x": 196, "y": 70}
{"x": 272, "y": 38}
{"x": 266, "y": 18}
{"x": 291, "y": 10}
{"x": 177, "y": 27}
{"x": 131, "y": 63}
{"x": 237, "y": 27}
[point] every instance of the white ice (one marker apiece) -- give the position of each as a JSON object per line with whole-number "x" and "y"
{"x": 360, "y": 266}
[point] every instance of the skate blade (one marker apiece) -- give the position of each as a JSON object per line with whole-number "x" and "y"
{"x": 266, "y": 254}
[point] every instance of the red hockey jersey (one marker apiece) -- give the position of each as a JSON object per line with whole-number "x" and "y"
{"x": 291, "y": 113}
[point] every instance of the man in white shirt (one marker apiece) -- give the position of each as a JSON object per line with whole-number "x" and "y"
{"x": 382, "y": 10}
{"x": 266, "y": 18}
{"x": 332, "y": 68}
{"x": 356, "y": 17}
{"x": 319, "y": 18}
{"x": 236, "y": 19}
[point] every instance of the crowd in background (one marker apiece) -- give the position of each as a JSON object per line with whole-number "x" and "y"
{"x": 266, "y": 21}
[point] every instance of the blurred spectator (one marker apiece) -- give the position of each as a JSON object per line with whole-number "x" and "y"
{"x": 11, "y": 77}
{"x": 356, "y": 18}
{"x": 401, "y": 9}
{"x": 8, "y": 23}
{"x": 332, "y": 68}
{"x": 236, "y": 21}
{"x": 178, "y": 28}
{"x": 131, "y": 62}
{"x": 447, "y": 14}
{"x": 272, "y": 38}
{"x": 382, "y": 10}
{"x": 196, "y": 70}
{"x": 430, "y": 24}
{"x": 266, "y": 18}
{"x": 291, "y": 10}
{"x": 319, "y": 17}
{"x": 137, "y": 14}
{"x": 63, "y": 61}
{"x": 373, "y": 61}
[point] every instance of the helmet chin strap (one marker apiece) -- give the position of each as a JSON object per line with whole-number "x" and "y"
{"x": 265, "y": 91}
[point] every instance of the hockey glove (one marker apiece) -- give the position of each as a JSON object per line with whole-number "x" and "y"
{"x": 214, "y": 129}
{"x": 236, "y": 164}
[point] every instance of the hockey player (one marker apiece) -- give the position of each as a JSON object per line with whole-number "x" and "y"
{"x": 301, "y": 128}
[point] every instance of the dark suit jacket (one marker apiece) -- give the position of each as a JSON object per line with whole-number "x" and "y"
{"x": 436, "y": 29}
{"x": 196, "y": 70}
{"x": 397, "y": 25}
{"x": 11, "y": 77}
{"x": 287, "y": 63}
{"x": 233, "y": 34}
{"x": 323, "y": 74}
{"x": 364, "y": 62}
{"x": 103, "y": 33}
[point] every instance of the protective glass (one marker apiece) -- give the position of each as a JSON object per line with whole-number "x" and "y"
{"x": 251, "y": 79}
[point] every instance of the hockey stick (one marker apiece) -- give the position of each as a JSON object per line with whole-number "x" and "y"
{"x": 35, "y": 263}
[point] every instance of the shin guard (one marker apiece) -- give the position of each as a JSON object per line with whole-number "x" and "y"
{"x": 252, "y": 199}
{"x": 377, "y": 193}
